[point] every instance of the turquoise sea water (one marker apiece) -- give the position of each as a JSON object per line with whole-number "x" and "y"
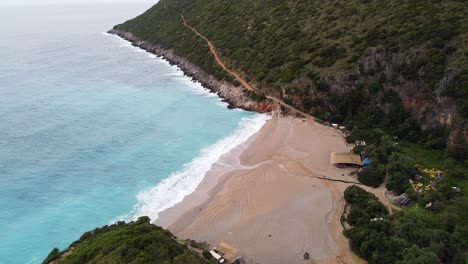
{"x": 93, "y": 130}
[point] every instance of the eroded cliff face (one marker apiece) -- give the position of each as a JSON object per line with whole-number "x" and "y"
{"x": 426, "y": 103}
{"x": 233, "y": 95}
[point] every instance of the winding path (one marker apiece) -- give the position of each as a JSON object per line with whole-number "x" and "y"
{"x": 238, "y": 77}
{"x": 345, "y": 255}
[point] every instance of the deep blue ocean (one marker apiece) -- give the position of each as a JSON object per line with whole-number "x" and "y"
{"x": 93, "y": 130}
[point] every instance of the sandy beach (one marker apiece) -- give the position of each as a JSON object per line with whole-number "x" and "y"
{"x": 265, "y": 197}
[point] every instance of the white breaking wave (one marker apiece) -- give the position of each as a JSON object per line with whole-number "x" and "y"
{"x": 194, "y": 87}
{"x": 173, "y": 189}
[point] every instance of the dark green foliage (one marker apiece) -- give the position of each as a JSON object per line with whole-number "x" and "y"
{"x": 398, "y": 182}
{"x": 375, "y": 47}
{"x": 134, "y": 242}
{"x": 53, "y": 255}
{"x": 415, "y": 255}
{"x": 400, "y": 170}
{"x": 254, "y": 95}
{"x": 458, "y": 151}
{"x": 359, "y": 198}
{"x": 415, "y": 236}
{"x": 435, "y": 236}
{"x": 372, "y": 176}
{"x": 358, "y": 216}
{"x": 206, "y": 254}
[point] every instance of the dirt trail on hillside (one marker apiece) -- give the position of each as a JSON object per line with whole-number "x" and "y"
{"x": 238, "y": 77}
{"x": 335, "y": 185}
{"x": 379, "y": 192}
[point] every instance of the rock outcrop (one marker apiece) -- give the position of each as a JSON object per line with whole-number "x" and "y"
{"x": 233, "y": 95}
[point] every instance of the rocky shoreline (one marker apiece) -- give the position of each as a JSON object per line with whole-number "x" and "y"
{"x": 233, "y": 95}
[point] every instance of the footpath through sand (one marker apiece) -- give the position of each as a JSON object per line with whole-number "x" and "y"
{"x": 260, "y": 195}
{"x": 265, "y": 197}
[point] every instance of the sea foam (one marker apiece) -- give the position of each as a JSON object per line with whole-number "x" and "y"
{"x": 173, "y": 189}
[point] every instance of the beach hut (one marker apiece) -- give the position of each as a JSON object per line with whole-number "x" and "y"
{"x": 345, "y": 159}
{"x": 418, "y": 177}
{"x": 405, "y": 201}
{"x": 366, "y": 163}
{"x": 226, "y": 253}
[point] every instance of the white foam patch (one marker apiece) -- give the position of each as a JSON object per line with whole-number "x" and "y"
{"x": 194, "y": 87}
{"x": 173, "y": 189}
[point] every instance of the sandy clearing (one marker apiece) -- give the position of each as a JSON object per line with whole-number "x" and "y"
{"x": 268, "y": 202}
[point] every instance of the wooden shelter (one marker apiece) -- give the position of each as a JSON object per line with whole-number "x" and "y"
{"x": 229, "y": 253}
{"x": 345, "y": 159}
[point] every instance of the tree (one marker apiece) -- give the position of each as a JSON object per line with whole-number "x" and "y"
{"x": 398, "y": 182}
{"x": 357, "y": 217}
{"x": 372, "y": 176}
{"x": 415, "y": 255}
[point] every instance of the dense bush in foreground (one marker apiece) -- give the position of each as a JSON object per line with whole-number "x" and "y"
{"x": 134, "y": 242}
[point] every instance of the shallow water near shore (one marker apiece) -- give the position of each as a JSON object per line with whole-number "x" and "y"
{"x": 89, "y": 126}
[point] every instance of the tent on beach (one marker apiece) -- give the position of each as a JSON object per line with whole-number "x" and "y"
{"x": 366, "y": 163}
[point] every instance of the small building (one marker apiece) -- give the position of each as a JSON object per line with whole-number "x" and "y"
{"x": 418, "y": 177}
{"x": 456, "y": 189}
{"x": 405, "y": 201}
{"x": 402, "y": 199}
{"x": 226, "y": 254}
{"x": 345, "y": 159}
{"x": 342, "y": 127}
{"x": 335, "y": 125}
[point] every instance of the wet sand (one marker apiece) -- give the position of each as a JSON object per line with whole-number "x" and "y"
{"x": 265, "y": 199}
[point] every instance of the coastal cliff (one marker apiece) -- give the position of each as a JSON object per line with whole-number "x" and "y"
{"x": 395, "y": 65}
{"x": 234, "y": 95}
{"x": 388, "y": 71}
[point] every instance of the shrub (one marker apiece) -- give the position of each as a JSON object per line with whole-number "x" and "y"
{"x": 357, "y": 217}
{"x": 372, "y": 176}
{"x": 398, "y": 182}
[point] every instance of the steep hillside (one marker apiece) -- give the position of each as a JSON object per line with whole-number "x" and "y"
{"x": 374, "y": 63}
{"x": 134, "y": 242}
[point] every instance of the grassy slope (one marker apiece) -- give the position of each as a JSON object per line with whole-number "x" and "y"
{"x": 431, "y": 158}
{"x": 134, "y": 242}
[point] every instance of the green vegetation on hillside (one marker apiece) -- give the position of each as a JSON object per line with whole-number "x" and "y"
{"x": 367, "y": 64}
{"x": 390, "y": 71}
{"x": 134, "y": 242}
{"x": 441, "y": 229}
{"x": 412, "y": 236}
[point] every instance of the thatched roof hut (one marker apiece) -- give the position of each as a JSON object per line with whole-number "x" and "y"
{"x": 347, "y": 158}
{"x": 228, "y": 252}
